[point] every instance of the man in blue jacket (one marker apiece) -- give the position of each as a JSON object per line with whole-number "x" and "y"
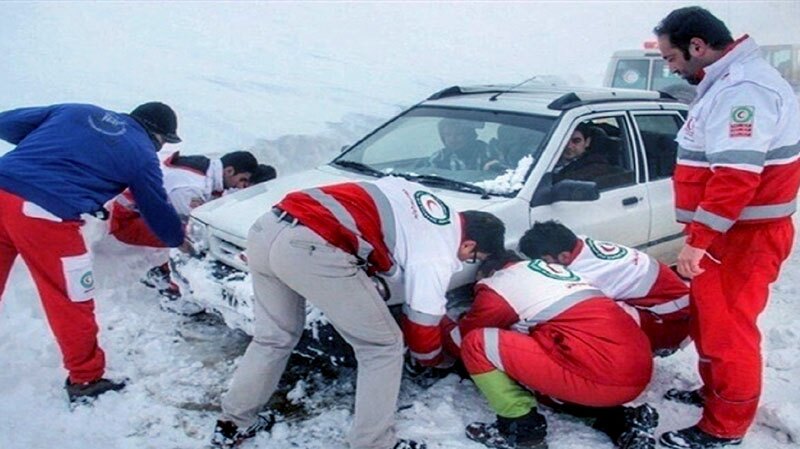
{"x": 69, "y": 160}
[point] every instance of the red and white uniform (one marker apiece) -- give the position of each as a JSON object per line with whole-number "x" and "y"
{"x": 400, "y": 230}
{"x": 186, "y": 188}
{"x": 652, "y": 293}
{"x": 548, "y": 329}
{"x": 736, "y": 184}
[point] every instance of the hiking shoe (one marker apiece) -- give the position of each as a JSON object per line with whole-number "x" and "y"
{"x": 629, "y": 427}
{"x": 643, "y": 417}
{"x": 227, "y": 434}
{"x": 636, "y": 439}
{"x": 85, "y": 392}
{"x": 157, "y": 277}
{"x": 694, "y": 438}
{"x": 409, "y": 444}
{"x": 690, "y": 397}
{"x": 526, "y": 432}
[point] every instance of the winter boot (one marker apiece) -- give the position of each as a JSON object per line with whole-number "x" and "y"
{"x": 629, "y": 427}
{"x": 694, "y": 438}
{"x": 157, "y": 277}
{"x": 690, "y": 397}
{"x": 84, "y": 393}
{"x": 525, "y": 432}
{"x": 409, "y": 444}
{"x": 227, "y": 434}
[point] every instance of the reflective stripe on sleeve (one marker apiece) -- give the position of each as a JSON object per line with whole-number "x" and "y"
{"x": 670, "y": 307}
{"x": 769, "y": 212}
{"x": 684, "y": 215}
{"x": 421, "y": 318}
{"x": 712, "y": 220}
{"x": 556, "y": 308}
{"x": 343, "y": 216}
{"x": 455, "y": 335}
{"x": 427, "y": 355}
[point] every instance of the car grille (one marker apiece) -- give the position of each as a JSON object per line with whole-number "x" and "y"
{"x": 227, "y": 252}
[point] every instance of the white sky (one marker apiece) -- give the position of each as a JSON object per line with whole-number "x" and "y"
{"x": 238, "y": 72}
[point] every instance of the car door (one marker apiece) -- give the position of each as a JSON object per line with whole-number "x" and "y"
{"x": 622, "y": 212}
{"x": 655, "y": 133}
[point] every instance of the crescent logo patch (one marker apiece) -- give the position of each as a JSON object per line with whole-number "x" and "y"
{"x": 432, "y": 208}
{"x": 606, "y": 250}
{"x": 553, "y": 271}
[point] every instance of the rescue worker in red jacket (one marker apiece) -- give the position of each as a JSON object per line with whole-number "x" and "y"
{"x": 69, "y": 160}
{"x": 653, "y": 294}
{"x": 539, "y": 326}
{"x": 322, "y": 245}
{"x": 736, "y": 183}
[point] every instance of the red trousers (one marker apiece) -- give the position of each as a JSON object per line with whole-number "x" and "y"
{"x": 61, "y": 266}
{"x": 129, "y": 227}
{"x": 536, "y": 366}
{"x": 726, "y": 301}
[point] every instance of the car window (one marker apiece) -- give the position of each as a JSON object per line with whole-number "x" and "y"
{"x": 631, "y": 73}
{"x": 606, "y": 157}
{"x": 472, "y": 146}
{"x": 658, "y": 133}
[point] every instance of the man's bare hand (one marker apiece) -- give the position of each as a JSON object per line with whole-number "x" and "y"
{"x": 689, "y": 261}
{"x": 187, "y": 247}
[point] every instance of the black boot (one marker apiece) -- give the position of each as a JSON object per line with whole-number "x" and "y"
{"x": 227, "y": 434}
{"x": 629, "y": 427}
{"x": 409, "y": 444}
{"x": 690, "y": 397}
{"x": 85, "y": 392}
{"x": 694, "y": 438}
{"x": 525, "y": 432}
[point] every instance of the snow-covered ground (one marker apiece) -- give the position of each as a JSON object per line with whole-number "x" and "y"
{"x": 294, "y": 82}
{"x": 179, "y": 367}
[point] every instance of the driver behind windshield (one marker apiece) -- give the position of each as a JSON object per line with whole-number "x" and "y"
{"x": 462, "y": 148}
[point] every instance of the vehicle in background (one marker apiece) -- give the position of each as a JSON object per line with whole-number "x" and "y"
{"x": 645, "y": 69}
{"x": 786, "y": 59}
{"x": 528, "y": 129}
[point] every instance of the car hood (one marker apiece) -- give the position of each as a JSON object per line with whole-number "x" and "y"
{"x": 234, "y": 213}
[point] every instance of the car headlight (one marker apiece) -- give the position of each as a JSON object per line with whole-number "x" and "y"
{"x": 197, "y": 234}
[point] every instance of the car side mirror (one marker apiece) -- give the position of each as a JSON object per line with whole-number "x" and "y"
{"x": 564, "y": 190}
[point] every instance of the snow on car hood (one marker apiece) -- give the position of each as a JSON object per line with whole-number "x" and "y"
{"x": 233, "y": 214}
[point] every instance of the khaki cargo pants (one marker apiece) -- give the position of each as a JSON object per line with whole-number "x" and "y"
{"x": 290, "y": 264}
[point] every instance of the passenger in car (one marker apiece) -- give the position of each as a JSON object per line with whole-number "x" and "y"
{"x": 581, "y": 162}
{"x": 510, "y": 146}
{"x": 462, "y": 149}
{"x": 537, "y": 327}
{"x": 189, "y": 181}
{"x": 656, "y": 298}
{"x": 321, "y": 245}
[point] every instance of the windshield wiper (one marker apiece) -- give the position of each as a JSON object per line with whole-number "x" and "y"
{"x": 446, "y": 182}
{"x": 359, "y": 167}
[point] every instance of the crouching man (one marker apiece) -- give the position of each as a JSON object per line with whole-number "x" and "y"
{"x": 540, "y": 327}
{"x": 652, "y": 293}
{"x": 322, "y": 245}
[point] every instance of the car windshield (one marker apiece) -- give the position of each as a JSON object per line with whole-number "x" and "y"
{"x": 458, "y": 149}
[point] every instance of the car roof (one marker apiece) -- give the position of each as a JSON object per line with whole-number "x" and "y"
{"x": 636, "y": 54}
{"x": 542, "y": 99}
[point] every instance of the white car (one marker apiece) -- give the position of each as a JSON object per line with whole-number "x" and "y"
{"x": 524, "y": 130}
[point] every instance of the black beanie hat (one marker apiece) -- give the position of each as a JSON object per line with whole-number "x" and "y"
{"x": 158, "y": 118}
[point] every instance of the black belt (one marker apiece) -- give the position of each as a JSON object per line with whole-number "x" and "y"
{"x": 284, "y": 216}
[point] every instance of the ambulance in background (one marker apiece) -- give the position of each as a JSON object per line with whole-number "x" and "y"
{"x": 785, "y": 58}
{"x": 644, "y": 69}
